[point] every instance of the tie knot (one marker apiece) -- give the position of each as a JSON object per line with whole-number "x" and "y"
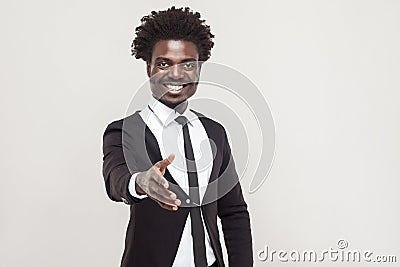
{"x": 181, "y": 120}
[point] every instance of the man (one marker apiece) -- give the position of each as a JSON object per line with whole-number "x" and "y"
{"x": 155, "y": 160}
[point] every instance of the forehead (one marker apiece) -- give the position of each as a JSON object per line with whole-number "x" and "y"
{"x": 175, "y": 50}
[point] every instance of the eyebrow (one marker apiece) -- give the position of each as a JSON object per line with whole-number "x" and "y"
{"x": 169, "y": 60}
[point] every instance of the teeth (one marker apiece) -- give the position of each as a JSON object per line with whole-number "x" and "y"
{"x": 174, "y": 87}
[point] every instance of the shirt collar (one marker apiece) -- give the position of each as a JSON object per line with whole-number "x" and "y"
{"x": 166, "y": 114}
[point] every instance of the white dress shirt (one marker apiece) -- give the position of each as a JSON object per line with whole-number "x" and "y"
{"x": 160, "y": 119}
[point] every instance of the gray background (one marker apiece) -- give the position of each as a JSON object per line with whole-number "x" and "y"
{"x": 329, "y": 70}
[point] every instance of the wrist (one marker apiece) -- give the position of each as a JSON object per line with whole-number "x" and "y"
{"x": 138, "y": 189}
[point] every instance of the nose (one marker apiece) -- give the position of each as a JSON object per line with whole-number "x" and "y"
{"x": 175, "y": 72}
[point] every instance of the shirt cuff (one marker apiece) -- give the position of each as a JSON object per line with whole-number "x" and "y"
{"x": 132, "y": 187}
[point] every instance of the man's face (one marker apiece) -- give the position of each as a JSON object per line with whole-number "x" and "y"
{"x": 174, "y": 71}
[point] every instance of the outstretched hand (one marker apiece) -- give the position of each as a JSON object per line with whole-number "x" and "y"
{"x": 153, "y": 183}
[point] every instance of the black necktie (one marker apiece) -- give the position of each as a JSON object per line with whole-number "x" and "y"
{"x": 199, "y": 248}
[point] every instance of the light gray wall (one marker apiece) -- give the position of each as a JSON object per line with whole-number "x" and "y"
{"x": 329, "y": 70}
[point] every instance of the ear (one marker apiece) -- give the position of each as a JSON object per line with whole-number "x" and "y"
{"x": 148, "y": 69}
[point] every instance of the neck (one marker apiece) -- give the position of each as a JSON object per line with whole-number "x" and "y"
{"x": 178, "y": 107}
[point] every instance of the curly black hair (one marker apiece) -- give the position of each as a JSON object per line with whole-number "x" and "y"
{"x": 172, "y": 24}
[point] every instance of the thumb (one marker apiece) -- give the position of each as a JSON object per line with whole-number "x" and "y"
{"x": 162, "y": 164}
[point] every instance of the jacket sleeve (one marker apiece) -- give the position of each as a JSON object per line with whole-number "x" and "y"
{"x": 232, "y": 210}
{"x": 115, "y": 170}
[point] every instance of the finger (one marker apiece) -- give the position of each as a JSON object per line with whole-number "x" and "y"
{"x": 164, "y": 205}
{"x": 165, "y": 201}
{"x": 162, "y": 165}
{"x": 168, "y": 207}
{"x": 158, "y": 178}
{"x": 163, "y": 195}
{"x": 159, "y": 185}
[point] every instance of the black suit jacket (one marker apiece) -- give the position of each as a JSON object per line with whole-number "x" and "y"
{"x": 153, "y": 234}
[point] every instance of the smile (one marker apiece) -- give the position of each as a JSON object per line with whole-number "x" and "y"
{"x": 175, "y": 87}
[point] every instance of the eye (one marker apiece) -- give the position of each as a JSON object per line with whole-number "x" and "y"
{"x": 162, "y": 65}
{"x": 189, "y": 66}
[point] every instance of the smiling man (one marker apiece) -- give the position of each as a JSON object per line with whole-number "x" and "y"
{"x": 172, "y": 165}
